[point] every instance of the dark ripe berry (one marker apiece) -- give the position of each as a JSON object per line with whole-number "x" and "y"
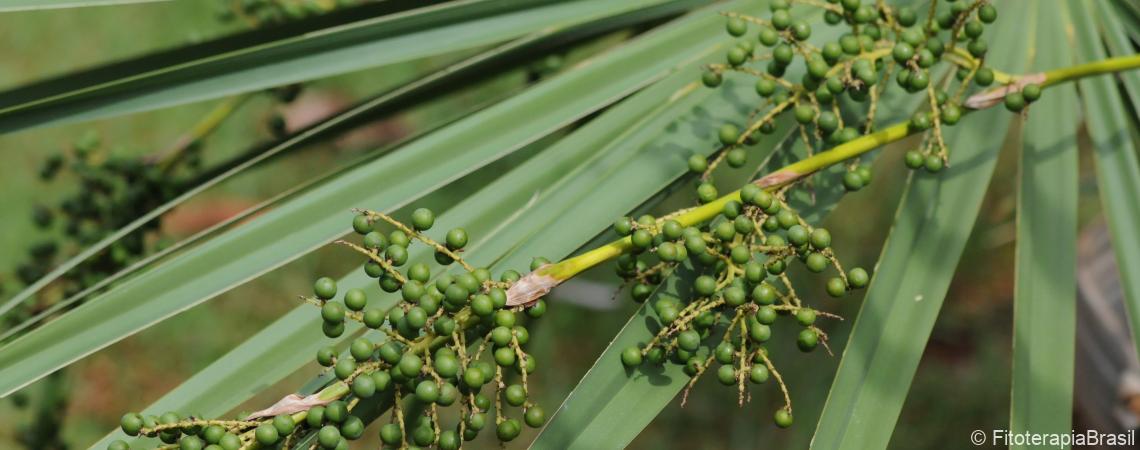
{"x": 764, "y": 294}
{"x": 631, "y": 357}
{"x": 736, "y": 157}
{"x": 361, "y": 224}
{"x": 508, "y": 430}
{"x": 689, "y": 340}
{"x": 768, "y": 37}
{"x": 902, "y": 52}
{"x": 914, "y": 159}
{"x": 816, "y": 262}
{"x": 852, "y": 181}
{"x": 422, "y": 219}
{"x": 801, "y": 30}
{"x": 807, "y": 340}
{"x": 332, "y": 312}
{"x": 858, "y": 278}
{"x": 456, "y": 238}
{"x": 977, "y": 47}
{"x": 344, "y": 368}
{"x": 736, "y": 56}
{"x": 987, "y": 13}
{"x": 797, "y": 235}
{"x": 706, "y": 192}
{"x": 410, "y": 365}
{"x": 933, "y": 163}
{"x": 329, "y": 436}
{"x": 389, "y": 433}
{"x": 728, "y": 134}
{"x": 905, "y": 16}
{"x": 836, "y": 287}
{"x": 711, "y": 79}
{"x": 325, "y": 288}
{"x": 736, "y": 26}
{"x": 782, "y": 54}
{"x": 515, "y": 395}
{"x": 361, "y": 349}
{"x": 726, "y": 375}
{"x": 783, "y": 418}
{"x": 704, "y": 285}
{"x": 1031, "y": 92}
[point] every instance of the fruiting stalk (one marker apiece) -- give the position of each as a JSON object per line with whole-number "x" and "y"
{"x": 549, "y": 276}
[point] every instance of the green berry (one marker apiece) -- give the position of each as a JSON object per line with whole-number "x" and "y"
{"x": 805, "y": 316}
{"x": 768, "y": 36}
{"x": 797, "y": 235}
{"x": 422, "y": 219}
{"x": 902, "y": 52}
{"x": 905, "y": 16}
{"x": 728, "y": 134}
{"x": 816, "y": 262}
{"x": 1031, "y": 92}
{"x": 375, "y": 240}
{"x": 783, "y": 418}
{"x": 410, "y": 365}
{"x": 508, "y": 430}
{"x": 266, "y": 434}
{"x": 361, "y": 349}
{"x": 363, "y": 386}
{"x": 325, "y": 288}
{"x": 914, "y": 159}
{"x": 706, "y": 192}
{"x": 689, "y": 340}
{"x": 987, "y": 13}
{"x": 351, "y": 429}
{"x": 704, "y": 285}
{"x": 759, "y": 374}
{"x": 984, "y": 77}
{"x": 852, "y": 181}
{"x": 807, "y": 340}
{"x": 781, "y": 20}
{"x": 389, "y": 434}
{"x": 951, "y": 113}
{"x": 329, "y": 436}
{"x": 515, "y": 395}
{"x": 131, "y": 423}
{"x": 736, "y": 56}
{"x": 783, "y": 54}
{"x": 534, "y": 416}
{"x": 836, "y": 287}
{"x": 711, "y": 79}
{"x": 736, "y": 26}
{"x": 820, "y": 238}
{"x": 977, "y": 47}
{"x": 456, "y": 238}
{"x": 332, "y": 312}
{"x": 858, "y": 278}
{"x": 361, "y": 224}
{"x": 355, "y": 299}
{"x": 801, "y": 31}
{"x": 631, "y": 357}
{"x": 284, "y": 424}
{"x": 765, "y": 87}
{"x": 804, "y": 114}
{"x": 726, "y": 375}
{"x": 344, "y": 368}
{"x": 933, "y": 163}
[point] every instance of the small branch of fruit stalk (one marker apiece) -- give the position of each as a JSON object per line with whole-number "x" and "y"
{"x": 539, "y": 282}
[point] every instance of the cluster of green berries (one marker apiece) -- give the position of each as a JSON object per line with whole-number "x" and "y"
{"x": 449, "y": 341}
{"x": 114, "y": 190}
{"x": 742, "y": 257}
{"x": 844, "y": 78}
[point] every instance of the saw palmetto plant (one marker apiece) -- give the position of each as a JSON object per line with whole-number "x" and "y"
{"x": 694, "y": 148}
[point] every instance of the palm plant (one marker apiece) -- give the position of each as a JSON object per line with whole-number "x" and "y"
{"x": 610, "y": 137}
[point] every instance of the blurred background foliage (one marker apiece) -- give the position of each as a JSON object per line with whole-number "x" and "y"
{"x": 968, "y": 352}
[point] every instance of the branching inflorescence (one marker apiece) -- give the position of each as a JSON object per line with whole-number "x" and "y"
{"x": 736, "y": 248}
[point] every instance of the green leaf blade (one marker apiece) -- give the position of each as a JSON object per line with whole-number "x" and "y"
{"x": 1045, "y": 288}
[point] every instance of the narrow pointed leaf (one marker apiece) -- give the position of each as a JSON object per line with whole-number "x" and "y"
{"x": 1045, "y": 291}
